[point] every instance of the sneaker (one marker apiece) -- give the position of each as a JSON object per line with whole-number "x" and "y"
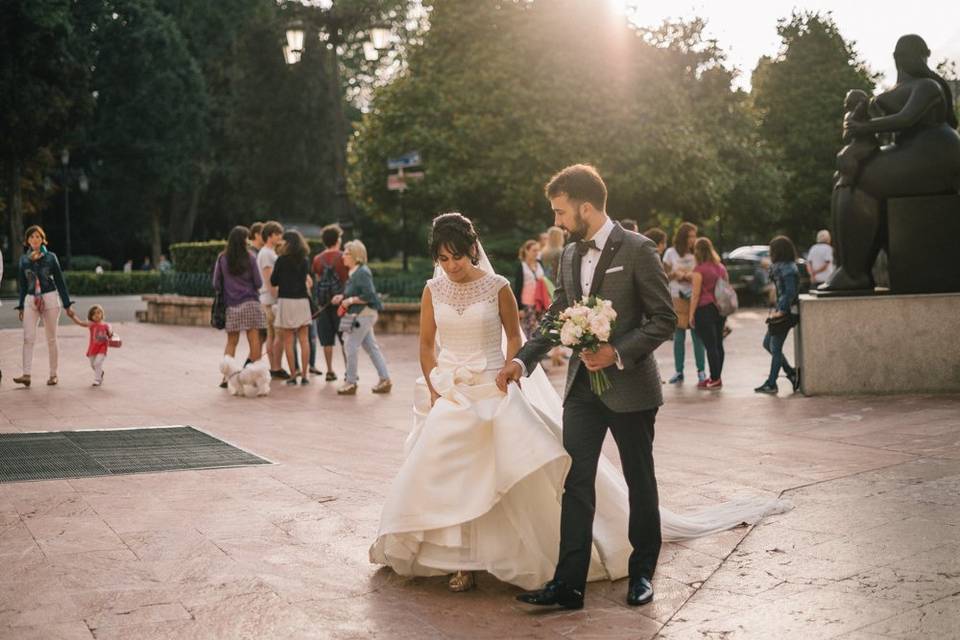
{"x": 279, "y": 373}
{"x": 702, "y": 384}
{"x": 330, "y": 377}
{"x": 701, "y": 376}
{"x": 347, "y": 390}
{"x": 677, "y": 378}
{"x": 766, "y": 387}
{"x": 383, "y": 386}
{"x": 714, "y": 384}
{"x": 795, "y": 380}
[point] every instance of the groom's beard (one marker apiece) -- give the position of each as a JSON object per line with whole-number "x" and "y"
{"x": 579, "y": 231}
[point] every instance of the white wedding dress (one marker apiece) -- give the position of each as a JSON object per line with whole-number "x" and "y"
{"x": 480, "y": 486}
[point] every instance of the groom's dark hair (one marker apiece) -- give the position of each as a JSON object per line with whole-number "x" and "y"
{"x": 579, "y": 182}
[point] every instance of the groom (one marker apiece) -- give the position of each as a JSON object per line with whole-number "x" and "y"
{"x": 623, "y": 267}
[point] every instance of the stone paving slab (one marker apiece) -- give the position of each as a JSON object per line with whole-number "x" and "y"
{"x": 870, "y": 550}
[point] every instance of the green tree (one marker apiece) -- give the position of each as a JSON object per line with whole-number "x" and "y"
{"x": 500, "y": 95}
{"x": 44, "y": 73}
{"x": 150, "y": 120}
{"x": 799, "y": 95}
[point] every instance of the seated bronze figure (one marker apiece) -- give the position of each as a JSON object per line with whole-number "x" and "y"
{"x": 922, "y": 159}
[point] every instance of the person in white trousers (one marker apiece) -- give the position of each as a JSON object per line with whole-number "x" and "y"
{"x": 43, "y": 293}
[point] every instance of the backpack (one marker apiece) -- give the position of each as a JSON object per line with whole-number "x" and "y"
{"x": 726, "y": 296}
{"x": 328, "y": 285}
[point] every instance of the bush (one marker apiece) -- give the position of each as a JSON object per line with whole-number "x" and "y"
{"x": 196, "y": 257}
{"x": 112, "y": 283}
{"x": 89, "y": 263}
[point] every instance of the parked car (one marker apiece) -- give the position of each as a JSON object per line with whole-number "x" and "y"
{"x": 748, "y": 266}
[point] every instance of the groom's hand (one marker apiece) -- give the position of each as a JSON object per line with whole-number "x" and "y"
{"x": 602, "y": 358}
{"x": 511, "y": 372}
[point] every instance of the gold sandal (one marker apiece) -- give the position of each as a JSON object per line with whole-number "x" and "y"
{"x": 347, "y": 390}
{"x": 462, "y": 581}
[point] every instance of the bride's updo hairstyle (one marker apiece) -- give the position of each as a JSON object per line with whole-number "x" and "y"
{"x": 455, "y": 232}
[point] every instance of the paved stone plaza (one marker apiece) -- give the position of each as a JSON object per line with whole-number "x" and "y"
{"x": 871, "y": 549}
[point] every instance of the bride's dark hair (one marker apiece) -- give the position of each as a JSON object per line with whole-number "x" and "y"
{"x": 455, "y": 232}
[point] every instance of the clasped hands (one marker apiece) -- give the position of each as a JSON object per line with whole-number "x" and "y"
{"x": 603, "y": 357}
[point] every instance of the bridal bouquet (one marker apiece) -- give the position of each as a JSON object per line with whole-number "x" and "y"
{"x": 583, "y": 327}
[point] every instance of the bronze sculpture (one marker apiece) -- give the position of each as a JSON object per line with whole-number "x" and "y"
{"x": 923, "y": 159}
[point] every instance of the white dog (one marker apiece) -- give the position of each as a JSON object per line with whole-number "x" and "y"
{"x": 251, "y": 381}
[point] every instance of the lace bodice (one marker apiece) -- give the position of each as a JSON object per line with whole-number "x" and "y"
{"x": 468, "y": 319}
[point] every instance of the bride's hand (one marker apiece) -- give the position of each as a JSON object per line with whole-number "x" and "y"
{"x": 511, "y": 372}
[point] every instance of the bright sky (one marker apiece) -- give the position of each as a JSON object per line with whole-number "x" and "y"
{"x": 746, "y": 29}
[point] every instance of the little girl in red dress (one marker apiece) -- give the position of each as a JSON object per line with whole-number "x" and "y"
{"x": 100, "y": 335}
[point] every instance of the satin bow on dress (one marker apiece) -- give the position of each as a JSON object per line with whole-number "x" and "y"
{"x": 455, "y": 370}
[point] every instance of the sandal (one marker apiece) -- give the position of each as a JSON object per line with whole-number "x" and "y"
{"x": 383, "y": 386}
{"x": 52, "y": 380}
{"x": 331, "y": 376}
{"x": 347, "y": 390}
{"x": 462, "y": 581}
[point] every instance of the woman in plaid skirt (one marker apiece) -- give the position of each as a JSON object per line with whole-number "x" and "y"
{"x": 237, "y": 277}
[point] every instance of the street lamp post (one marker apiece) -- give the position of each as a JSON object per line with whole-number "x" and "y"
{"x": 331, "y": 28}
{"x": 65, "y": 162}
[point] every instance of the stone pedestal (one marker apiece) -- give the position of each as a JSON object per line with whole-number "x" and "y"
{"x": 396, "y": 317}
{"x": 879, "y": 344}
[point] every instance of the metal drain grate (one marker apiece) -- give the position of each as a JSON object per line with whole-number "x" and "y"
{"x": 82, "y": 454}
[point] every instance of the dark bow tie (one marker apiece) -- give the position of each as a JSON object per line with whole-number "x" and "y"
{"x": 585, "y": 245}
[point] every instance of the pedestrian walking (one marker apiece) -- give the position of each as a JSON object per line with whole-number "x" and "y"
{"x": 820, "y": 263}
{"x": 659, "y": 236}
{"x": 331, "y": 276}
{"x": 359, "y": 308}
{"x": 705, "y": 318}
{"x": 237, "y": 278}
{"x": 786, "y": 277}
{"x": 43, "y": 293}
{"x": 100, "y": 337}
{"x": 679, "y": 263}
{"x": 530, "y": 287}
{"x": 271, "y": 235}
{"x": 291, "y": 281}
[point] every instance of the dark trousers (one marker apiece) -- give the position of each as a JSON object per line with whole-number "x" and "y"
{"x": 709, "y": 326}
{"x": 774, "y": 346}
{"x": 585, "y": 423}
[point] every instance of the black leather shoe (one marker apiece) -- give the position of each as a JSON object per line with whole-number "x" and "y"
{"x": 555, "y": 592}
{"x": 640, "y": 592}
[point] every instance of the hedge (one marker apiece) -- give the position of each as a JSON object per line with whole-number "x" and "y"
{"x": 199, "y": 257}
{"x": 112, "y": 283}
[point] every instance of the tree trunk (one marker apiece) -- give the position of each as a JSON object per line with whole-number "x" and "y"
{"x": 15, "y": 201}
{"x": 156, "y": 246}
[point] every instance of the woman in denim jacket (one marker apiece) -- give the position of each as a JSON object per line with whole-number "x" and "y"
{"x": 359, "y": 304}
{"x": 786, "y": 277}
{"x": 42, "y": 290}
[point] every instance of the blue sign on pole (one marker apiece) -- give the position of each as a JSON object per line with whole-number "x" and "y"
{"x": 405, "y": 161}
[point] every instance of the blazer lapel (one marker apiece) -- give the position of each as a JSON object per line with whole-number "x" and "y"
{"x": 577, "y": 285}
{"x": 609, "y": 251}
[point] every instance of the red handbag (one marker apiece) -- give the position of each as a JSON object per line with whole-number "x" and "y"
{"x": 115, "y": 341}
{"x": 541, "y": 297}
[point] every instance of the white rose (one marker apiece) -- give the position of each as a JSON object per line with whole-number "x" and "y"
{"x": 568, "y": 336}
{"x": 600, "y": 327}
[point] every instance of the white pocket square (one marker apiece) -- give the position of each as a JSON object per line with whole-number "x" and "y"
{"x": 615, "y": 269}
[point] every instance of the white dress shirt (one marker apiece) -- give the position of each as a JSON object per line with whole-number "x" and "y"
{"x": 588, "y": 268}
{"x": 588, "y": 264}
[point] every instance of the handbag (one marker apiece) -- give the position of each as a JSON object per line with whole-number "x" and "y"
{"x": 541, "y": 296}
{"x": 780, "y": 325}
{"x": 218, "y": 311}
{"x": 115, "y": 341}
{"x": 681, "y": 306}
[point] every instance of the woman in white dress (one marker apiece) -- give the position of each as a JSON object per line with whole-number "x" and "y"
{"x": 479, "y": 489}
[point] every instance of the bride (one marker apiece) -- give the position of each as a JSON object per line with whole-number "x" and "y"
{"x": 480, "y": 486}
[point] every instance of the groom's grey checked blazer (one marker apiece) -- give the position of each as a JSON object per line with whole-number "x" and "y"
{"x": 630, "y": 275}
